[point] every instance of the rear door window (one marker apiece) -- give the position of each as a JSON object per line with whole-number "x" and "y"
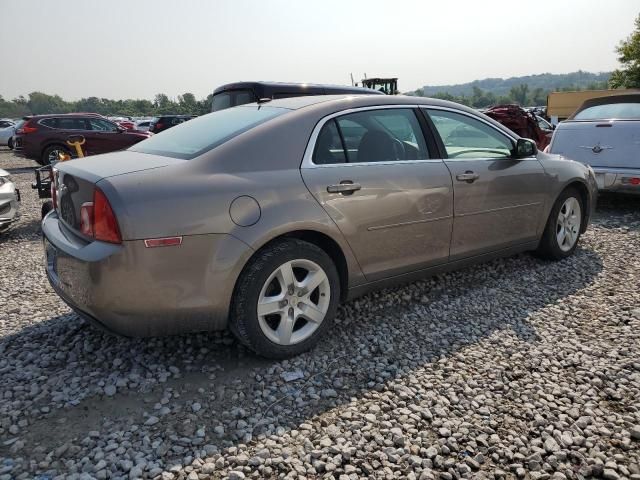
{"x": 70, "y": 123}
{"x": 382, "y": 135}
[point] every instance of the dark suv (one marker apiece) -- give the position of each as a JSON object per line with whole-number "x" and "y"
{"x": 43, "y": 137}
{"x": 240, "y": 93}
{"x": 159, "y": 124}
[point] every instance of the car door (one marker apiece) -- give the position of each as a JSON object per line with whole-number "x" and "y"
{"x": 371, "y": 171}
{"x": 498, "y": 200}
{"x": 67, "y": 127}
{"x": 106, "y": 136}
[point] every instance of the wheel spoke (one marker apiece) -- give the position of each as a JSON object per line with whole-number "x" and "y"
{"x": 312, "y": 281}
{"x": 270, "y": 305}
{"x": 562, "y": 236}
{"x": 285, "y": 329}
{"x": 311, "y": 312}
{"x": 285, "y": 276}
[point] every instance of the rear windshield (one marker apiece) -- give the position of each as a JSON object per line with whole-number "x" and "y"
{"x": 197, "y": 136}
{"x": 627, "y": 111}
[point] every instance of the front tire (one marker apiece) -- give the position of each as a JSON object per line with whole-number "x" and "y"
{"x": 563, "y": 229}
{"x": 285, "y": 299}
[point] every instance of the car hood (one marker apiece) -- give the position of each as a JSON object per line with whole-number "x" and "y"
{"x": 97, "y": 167}
{"x": 3, "y": 173}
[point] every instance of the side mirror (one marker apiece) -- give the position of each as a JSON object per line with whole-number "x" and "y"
{"x": 525, "y": 148}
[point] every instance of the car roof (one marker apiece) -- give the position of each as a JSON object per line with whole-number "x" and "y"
{"x": 76, "y": 114}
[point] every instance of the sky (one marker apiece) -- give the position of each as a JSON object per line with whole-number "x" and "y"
{"x": 137, "y": 48}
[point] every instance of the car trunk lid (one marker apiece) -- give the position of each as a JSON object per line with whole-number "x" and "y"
{"x": 602, "y": 143}
{"x": 75, "y": 181}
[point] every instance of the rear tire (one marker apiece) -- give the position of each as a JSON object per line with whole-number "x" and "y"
{"x": 296, "y": 285}
{"x": 10, "y": 144}
{"x": 51, "y": 154}
{"x": 562, "y": 232}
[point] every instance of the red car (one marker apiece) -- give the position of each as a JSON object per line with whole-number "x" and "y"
{"x": 127, "y": 125}
{"x": 43, "y": 137}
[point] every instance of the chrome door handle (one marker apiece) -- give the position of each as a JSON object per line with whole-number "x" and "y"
{"x": 467, "y": 176}
{"x": 346, "y": 188}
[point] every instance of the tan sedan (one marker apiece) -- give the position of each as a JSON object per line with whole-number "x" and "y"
{"x": 263, "y": 217}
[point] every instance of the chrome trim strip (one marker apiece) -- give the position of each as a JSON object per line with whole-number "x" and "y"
{"x": 402, "y": 224}
{"x": 499, "y": 209}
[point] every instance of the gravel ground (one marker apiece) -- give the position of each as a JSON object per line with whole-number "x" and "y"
{"x": 517, "y": 368}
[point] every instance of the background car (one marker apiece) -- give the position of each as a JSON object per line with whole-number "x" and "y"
{"x": 127, "y": 124}
{"x": 7, "y": 131}
{"x": 9, "y": 201}
{"x": 43, "y": 137}
{"x": 143, "y": 125}
{"x": 264, "y": 217}
{"x": 164, "y": 122}
{"x": 605, "y": 134}
{"x": 241, "y": 93}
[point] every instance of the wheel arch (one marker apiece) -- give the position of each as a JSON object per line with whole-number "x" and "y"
{"x": 320, "y": 240}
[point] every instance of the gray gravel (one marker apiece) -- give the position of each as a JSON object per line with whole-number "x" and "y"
{"x": 518, "y": 368}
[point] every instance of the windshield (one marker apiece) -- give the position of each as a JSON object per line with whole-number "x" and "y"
{"x": 195, "y": 137}
{"x": 627, "y": 111}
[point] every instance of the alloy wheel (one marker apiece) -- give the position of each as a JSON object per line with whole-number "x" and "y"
{"x": 293, "y": 302}
{"x": 568, "y": 224}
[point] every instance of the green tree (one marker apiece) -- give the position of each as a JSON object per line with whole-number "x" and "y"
{"x": 628, "y": 76}
{"x": 40, "y": 103}
{"x": 539, "y": 97}
{"x": 519, "y": 93}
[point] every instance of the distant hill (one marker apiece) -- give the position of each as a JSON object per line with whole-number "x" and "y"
{"x": 502, "y": 86}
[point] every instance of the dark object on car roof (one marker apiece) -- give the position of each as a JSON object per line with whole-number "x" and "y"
{"x": 518, "y": 120}
{"x": 240, "y": 93}
{"x": 388, "y": 86}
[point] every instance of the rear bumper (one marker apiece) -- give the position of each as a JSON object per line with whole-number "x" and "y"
{"x": 136, "y": 291}
{"x": 617, "y": 180}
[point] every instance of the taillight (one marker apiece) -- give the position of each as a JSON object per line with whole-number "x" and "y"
{"x": 635, "y": 181}
{"x": 105, "y": 225}
{"x": 158, "y": 126}
{"x": 28, "y": 127}
{"x": 98, "y": 221}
